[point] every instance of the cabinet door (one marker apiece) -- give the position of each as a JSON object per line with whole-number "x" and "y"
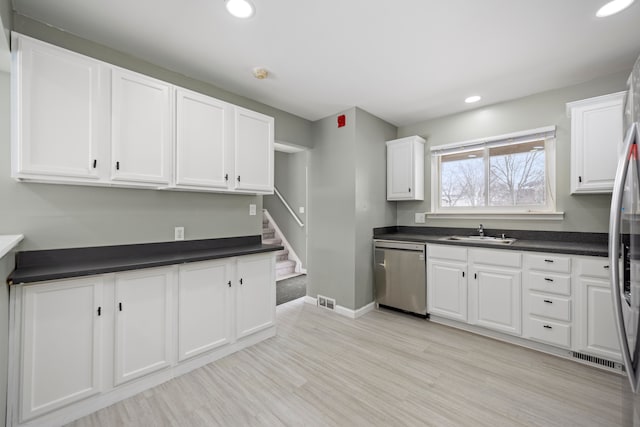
{"x": 202, "y": 139}
{"x": 256, "y": 296}
{"x": 596, "y": 137}
{"x": 204, "y": 307}
{"x": 140, "y": 128}
{"x": 447, "y": 289}
{"x": 143, "y": 323}
{"x": 405, "y": 168}
{"x": 399, "y": 171}
{"x": 598, "y": 335}
{"x": 254, "y": 138}
{"x": 494, "y": 299}
{"x": 60, "y": 111}
{"x": 61, "y": 342}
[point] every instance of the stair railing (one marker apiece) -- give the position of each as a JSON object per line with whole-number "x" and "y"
{"x": 286, "y": 205}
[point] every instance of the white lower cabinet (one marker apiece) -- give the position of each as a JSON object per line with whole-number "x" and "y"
{"x": 597, "y": 330}
{"x": 547, "y": 299}
{"x": 204, "y": 307}
{"x": 61, "y": 336}
{"x": 494, "y": 290}
{"x": 158, "y": 323}
{"x": 256, "y": 297}
{"x": 447, "y": 282}
{"x": 143, "y": 323}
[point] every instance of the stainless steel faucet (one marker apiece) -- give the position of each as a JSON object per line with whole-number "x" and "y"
{"x": 481, "y": 231}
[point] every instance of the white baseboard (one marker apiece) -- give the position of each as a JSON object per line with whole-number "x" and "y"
{"x": 343, "y": 311}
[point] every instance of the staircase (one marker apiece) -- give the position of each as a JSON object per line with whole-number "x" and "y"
{"x": 286, "y": 267}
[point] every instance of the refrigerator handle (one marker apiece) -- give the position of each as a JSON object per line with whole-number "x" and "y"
{"x": 614, "y": 252}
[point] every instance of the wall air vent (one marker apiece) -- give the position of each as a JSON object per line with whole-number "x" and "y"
{"x": 598, "y": 361}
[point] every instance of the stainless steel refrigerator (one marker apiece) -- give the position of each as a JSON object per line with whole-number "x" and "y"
{"x": 624, "y": 249}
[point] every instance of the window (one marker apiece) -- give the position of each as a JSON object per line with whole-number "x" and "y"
{"x": 507, "y": 174}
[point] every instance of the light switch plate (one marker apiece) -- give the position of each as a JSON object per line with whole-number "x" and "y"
{"x": 301, "y": 209}
{"x": 420, "y": 218}
{"x": 252, "y": 209}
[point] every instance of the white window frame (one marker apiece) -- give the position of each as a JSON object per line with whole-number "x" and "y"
{"x": 546, "y": 212}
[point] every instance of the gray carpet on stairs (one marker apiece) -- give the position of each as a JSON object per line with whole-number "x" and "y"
{"x": 290, "y": 289}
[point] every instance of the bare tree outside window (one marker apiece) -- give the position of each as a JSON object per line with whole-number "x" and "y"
{"x": 462, "y": 179}
{"x": 516, "y": 176}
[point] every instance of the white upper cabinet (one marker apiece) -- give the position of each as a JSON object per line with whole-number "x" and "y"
{"x": 254, "y": 139}
{"x": 596, "y": 140}
{"x": 203, "y": 134}
{"x": 140, "y": 128}
{"x": 405, "y": 169}
{"x": 78, "y": 120}
{"x": 58, "y": 119}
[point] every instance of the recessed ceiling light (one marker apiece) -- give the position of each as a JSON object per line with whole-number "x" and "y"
{"x": 613, "y": 7}
{"x": 472, "y": 99}
{"x": 240, "y": 8}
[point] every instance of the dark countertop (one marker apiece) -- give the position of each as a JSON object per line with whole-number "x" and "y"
{"x": 37, "y": 266}
{"x": 589, "y": 244}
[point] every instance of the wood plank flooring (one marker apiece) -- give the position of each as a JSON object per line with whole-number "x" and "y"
{"x": 383, "y": 369}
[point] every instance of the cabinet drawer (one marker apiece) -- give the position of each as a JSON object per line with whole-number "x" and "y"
{"x": 550, "y": 332}
{"x": 554, "y": 283}
{"x": 594, "y": 267}
{"x": 447, "y": 252}
{"x": 503, "y": 258}
{"x": 547, "y": 262}
{"x": 550, "y": 306}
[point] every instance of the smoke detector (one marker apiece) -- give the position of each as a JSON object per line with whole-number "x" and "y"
{"x": 260, "y": 73}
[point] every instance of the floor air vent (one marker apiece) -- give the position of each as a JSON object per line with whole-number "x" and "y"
{"x": 326, "y": 302}
{"x": 598, "y": 361}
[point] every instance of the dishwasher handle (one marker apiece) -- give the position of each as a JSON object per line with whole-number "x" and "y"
{"x": 403, "y": 246}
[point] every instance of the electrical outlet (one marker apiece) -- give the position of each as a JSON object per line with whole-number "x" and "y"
{"x": 252, "y": 209}
{"x": 301, "y": 209}
{"x": 420, "y": 218}
{"x": 178, "y": 233}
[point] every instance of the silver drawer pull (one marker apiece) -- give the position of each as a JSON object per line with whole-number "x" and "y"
{"x": 548, "y": 301}
{"x": 549, "y": 260}
{"x": 547, "y": 327}
{"x": 548, "y": 280}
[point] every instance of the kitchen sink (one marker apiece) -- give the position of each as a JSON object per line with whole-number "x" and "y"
{"x": 480, "y": 239}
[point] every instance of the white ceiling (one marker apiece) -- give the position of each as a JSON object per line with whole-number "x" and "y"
{"x": 402, "y": 60}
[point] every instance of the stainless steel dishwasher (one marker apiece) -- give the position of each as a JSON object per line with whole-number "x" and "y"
{"x": 399, "y": 274}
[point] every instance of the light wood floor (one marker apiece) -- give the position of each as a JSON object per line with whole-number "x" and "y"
{"x": 384, "y": 369}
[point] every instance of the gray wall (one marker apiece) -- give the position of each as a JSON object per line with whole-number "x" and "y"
{"x": 347, "y": 198}
{"x": 371, "y": 206}
{"x": 58, "y": 216}
{"x": 582, "y": 212}
{"x": 6, "y": 15}
{"x": 331, "y": 218}
{"x": 291, "y": 181}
